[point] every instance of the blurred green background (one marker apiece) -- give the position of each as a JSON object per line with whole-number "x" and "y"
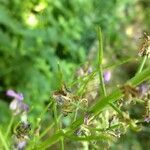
{"x": 36, "y": 35}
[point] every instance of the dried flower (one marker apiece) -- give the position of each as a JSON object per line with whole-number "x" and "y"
{"x": 17, "y": 105}
{"x": 67, "y": 101}
{"x": 107, "y": 76}
{"x": 59, "y": 99}
{"x": 21, "y": 135}
{"x": 86, "y": 119}
{"x": 145, "y": 46}
{"x": 78, "y": 132}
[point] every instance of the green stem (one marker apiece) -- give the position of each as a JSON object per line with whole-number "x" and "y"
{"x": 101, "y": 78}
{"x": 47, "y": 129}
{"x": 62, "y": 143}
{"x": 116, "y": 109}
{"x": 9, "y": 126}
{"x": 55, "y": 115}
{"x": 36, "y": 138}
{"x": 45, "y": 110}
{"x": 58, "y": 125}
{"x": 76, "y": 112}
{"x": 142, "y": 64}
{"x": 3, "y": 141}
{"x": 100, "y": 59}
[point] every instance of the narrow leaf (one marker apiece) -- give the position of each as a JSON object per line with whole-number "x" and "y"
{"x": 101, "y": 104}
{"x": 90, "y": 138}
{"x": 140, "y": 77}
{"x": 100, "y": 54}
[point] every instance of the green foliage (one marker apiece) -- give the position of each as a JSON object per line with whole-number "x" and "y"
{"x": 35, "y": 35}
{"x": 42, "y": 42}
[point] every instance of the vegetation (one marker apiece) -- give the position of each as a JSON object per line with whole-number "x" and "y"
{"x": 74, "y": 74}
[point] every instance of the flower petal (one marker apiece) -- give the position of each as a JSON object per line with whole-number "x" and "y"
{"x": 11, "y": 93}
{"x": 107, "y": 75}
{"x": 13, "y": 104}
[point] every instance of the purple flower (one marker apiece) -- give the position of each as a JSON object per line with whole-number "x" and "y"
{"x": 107, "y": 76}
{"x": 15, "y": 95}
{"x": 17, "y": 105}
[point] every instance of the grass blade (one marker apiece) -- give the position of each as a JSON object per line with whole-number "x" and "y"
{"x": 95, "y": 109}
{"x": 101, "y": 104}
{"x": 140, "y": 77}
{"x": 90, "y": 138}
{"x": 117, "y": 93}
{"x": 100, "y": 60}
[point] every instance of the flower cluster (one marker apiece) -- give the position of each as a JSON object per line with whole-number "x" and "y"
{"x": 17, "y": 105}
{"x": 21, "y": 133}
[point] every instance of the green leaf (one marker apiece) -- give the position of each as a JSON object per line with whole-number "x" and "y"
{"x": 102, "y": 103}
{"x": 90, "y": 138}
{"x": 56, "y": 137}
{"x": 95, "y": 109}
{"x": 117, "y": 93}
{"x": 139, "y": 78}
